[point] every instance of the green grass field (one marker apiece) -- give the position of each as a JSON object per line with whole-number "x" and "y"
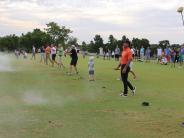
{"x": 38, "y": 101}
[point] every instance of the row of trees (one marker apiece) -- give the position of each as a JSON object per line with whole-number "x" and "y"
{"x": 56, "y": 34}
{"x": 52, "y": 34}
{"x": 112, "y": 43}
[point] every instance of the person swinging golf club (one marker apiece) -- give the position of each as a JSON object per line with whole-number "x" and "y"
{"x": 125, "y": 68}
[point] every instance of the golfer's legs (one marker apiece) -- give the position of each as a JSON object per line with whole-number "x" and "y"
{"x": 124, "y": 77}
{"x": 126, "y": 83}
{"x": 130, "y": 85}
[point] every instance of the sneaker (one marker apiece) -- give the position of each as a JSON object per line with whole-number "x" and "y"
{"x": 123, "y": 95}
{"x": 134, "y": 91}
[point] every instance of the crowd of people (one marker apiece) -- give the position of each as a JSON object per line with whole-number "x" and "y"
{"x": 171, "y": 55}
{"x": 53, "y": 55}
{"x": 164, "y": 56}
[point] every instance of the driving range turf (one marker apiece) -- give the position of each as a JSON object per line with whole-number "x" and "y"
{"x": 38, "y": 101}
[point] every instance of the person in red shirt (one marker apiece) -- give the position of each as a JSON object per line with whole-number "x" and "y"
{"x": 126, "y": 58}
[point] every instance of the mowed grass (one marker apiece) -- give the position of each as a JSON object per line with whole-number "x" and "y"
{"x": 38, "y": 101}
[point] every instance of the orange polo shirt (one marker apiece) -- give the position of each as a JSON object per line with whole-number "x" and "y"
{"x": 47, "y": 50}
{"x": 126, "y": 56}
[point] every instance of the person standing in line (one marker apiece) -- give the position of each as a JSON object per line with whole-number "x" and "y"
{"x": 133, "y": 52}
{"x": 53, "y": 55}
{"x": 33, "y": 53}
{"x": 110, "y": 54}
{"x": 125, "y": 68}
{"x": 105, "y": 51}
{"x": 113, "y": 54}
{"x": 47, "y": 53}
{"x": 172, "y": 51}
{"x": 42, "y": 54}
{"x": 181, "y": 50}
{"x": 159, "y": 55}
{"x": 182, "y": 54}
{"x": 138, "y": 54}
{"x": 131, "y": 63}
{"x": 117, "y": 53}
{"x": 148, "y": 54}
{"x": 74, "y": 59}
{"x": 142, "y": 53}
{"x": 16, "y": 52}
{"x": 176, "y": 59}
{"x": 91, "y": 69}
{"x": 60, "y": 51}
{"x": 167, "y": 54}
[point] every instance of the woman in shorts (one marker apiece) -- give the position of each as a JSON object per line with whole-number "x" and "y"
{"x": 53, "y": 55}
{"x": 74, "y": 59}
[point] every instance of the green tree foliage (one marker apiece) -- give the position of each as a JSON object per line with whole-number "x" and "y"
{"x": 56, "y": 34}
{"x": 138, "y": 43}
{"x": 112, "y": 43}
{"x": 72, "y": 41}
{"x": 145, "y": 43}
{"x": 98, "y": 42}
{"x": 52, "y": 34}
{"x": 37, "y": 38}
{"x": 91, "y": 47}
{"x": 9, "y": 42}
{"x": 59, "y": 35}
{"x": 164, "y": 43}
{"x": 84, "y": 46}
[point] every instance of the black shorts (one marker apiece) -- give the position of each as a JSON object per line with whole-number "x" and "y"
{"x": 54, "y": 57}
{"x": 91, "y": 72}
{"x": 116, "y": 56}
{"x": 176, "y": 59}
{"x": 74, "y": 61}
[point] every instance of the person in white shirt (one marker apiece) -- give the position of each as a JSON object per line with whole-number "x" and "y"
{"x": 159, "y": 54}
{"x": 53, "y": 55}
{"x": 142, "y": 50}
{"x": 117, "y": 54}
{"x": 131, "y": 63}
{"x": 91, "y": 69}
{"x": 33, "y": 53}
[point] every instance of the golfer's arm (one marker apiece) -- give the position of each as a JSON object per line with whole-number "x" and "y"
{"x": 119, "y": 65}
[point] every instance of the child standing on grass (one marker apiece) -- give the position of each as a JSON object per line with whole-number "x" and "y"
{"x": 60, "y": 51}
{"x": 91, "y": 69}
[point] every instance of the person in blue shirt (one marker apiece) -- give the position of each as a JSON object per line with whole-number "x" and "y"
{"x": 142, "y": 53}
{"x": 167, "y": 53}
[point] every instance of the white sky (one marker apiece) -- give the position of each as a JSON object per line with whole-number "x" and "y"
{"x": 153, "y": 19}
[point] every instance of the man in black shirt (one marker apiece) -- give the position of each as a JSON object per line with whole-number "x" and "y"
{"x": 74, "y": 59}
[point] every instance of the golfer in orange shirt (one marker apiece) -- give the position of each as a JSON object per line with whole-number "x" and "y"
{"x": 126, "y": 58}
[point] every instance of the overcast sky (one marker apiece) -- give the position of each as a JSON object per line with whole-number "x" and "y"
{"x": 153, "y": 19}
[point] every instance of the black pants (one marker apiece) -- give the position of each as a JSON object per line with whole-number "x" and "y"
{"x": 124, "y": 77}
